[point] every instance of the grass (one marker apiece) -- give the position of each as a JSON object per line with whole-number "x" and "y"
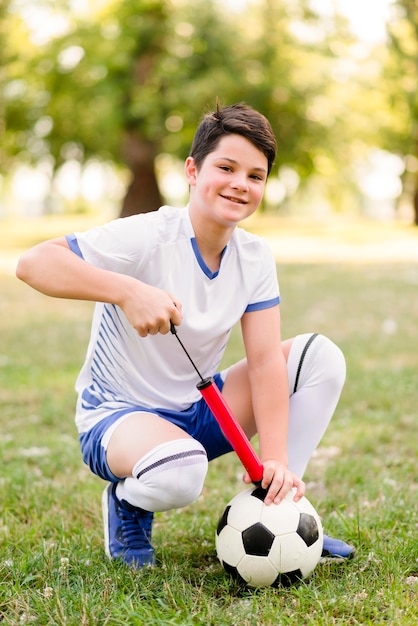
{"x": 363, "y": 479}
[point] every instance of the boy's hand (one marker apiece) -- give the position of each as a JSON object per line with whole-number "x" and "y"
{"x": 150, "y": 310}
{"x": 278, "y": 480}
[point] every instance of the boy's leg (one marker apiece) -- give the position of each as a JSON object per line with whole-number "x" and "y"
{"x": 160, "y": 468}
{"x": 316, "y": 370}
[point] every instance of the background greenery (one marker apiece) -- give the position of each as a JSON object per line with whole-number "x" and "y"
{"x": 123, "y": 82}
{"x": 363, "y": 479}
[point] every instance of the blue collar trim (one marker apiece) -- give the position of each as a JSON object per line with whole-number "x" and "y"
{"x": 205, "y": 269}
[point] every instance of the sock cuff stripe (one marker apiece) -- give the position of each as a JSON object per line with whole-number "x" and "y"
{"x": 169, "y": 459}
{"x": 302, "y": 358}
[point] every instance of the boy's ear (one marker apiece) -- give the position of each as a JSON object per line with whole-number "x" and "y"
{"x": 190, "y": 170}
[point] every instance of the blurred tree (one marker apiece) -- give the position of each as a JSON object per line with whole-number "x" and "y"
{"x": 123, "y": 83}
{"x": 127, "y": 80}
{"x": 4, "y": 61}
{"x": 402, "y": 75}
{"x": 130, "y": 80}
{"x": 15, "y": 99}
{"x": 283, "y": 74}
{"x": 93, "y": 75}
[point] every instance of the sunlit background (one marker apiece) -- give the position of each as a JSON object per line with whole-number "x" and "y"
{"x": 97, "y": 95}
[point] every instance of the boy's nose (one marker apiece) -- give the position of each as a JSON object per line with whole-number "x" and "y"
{"x": 240, "y": 182}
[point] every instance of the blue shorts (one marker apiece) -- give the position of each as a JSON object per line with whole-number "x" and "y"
{"x": 197, "y": 421}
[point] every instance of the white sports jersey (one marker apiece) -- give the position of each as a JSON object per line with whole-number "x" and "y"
{"x": 122, "y": 369}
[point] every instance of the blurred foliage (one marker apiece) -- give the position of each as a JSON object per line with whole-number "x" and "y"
{"x": 127, "y": 80}
{"x": 402, "y": 76}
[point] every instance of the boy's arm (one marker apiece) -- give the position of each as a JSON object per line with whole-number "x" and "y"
{"x": 267, "y": 371}
{"x": 53, "y": 269}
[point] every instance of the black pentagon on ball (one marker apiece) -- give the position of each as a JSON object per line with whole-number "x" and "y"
{"x": 308, "y": 529}
{"x": 259, "y": 493}
{"x": 288, "y": 578}
{"x": 257, "y": 540}
{"x": 223, "y": 520}
{"x": 234, "y": 573}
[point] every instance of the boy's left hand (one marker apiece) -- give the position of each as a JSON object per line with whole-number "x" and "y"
{"x": 278, "y": 481}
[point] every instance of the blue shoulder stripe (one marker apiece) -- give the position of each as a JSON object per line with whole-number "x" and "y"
{"x": 73, "y": 243}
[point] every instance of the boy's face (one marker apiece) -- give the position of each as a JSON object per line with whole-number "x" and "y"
{"x": 229, "y": 185}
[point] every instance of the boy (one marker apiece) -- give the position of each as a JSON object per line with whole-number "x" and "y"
{"x": 142, "y": 424}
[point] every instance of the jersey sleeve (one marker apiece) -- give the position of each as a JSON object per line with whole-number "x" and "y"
{"x": 266, "y": 292}
{"x": 119, "y": 246}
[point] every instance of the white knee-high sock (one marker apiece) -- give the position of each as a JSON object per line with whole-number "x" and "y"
{"x": 170, "y": 476}
{"x": 316, "y": 368}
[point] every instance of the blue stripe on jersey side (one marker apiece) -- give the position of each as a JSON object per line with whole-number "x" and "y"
{"x": 110, "y": 333}
{"x": 106, "y": 355}
{"x": 115, "y": 330}
{"x": 106, "y": 338}
{"x": 73, "y": 243}
{"x": 89, "y": 400}
{"x": 96, "y": 368}
{"x": 266, "y": 304}
{"x": 101, "y": 372}
{"x": 117, "y": 314}
{"x": 100, "y": 366}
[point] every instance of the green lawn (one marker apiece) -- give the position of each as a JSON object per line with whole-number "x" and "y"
{"x": 363, "y": 479}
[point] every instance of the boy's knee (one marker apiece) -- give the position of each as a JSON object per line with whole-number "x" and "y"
{"x": 170, "y": 476}
{"x": 315, "y": 359}
{"x": 332, "y": 360}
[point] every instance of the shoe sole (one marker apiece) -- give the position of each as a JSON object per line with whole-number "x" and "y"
{"x": 105, "y": 511}
{"x": 336, "y": 558}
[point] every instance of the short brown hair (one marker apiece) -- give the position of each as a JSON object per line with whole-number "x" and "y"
{"x": 235, "y": 119}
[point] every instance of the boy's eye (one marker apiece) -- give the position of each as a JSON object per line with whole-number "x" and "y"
{"x": 230, "y": 168}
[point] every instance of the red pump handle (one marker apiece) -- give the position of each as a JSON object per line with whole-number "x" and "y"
{"x": 231, "y": 429}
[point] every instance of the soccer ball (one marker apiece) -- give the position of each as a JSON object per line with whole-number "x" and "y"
{"x": 269, "y": 545}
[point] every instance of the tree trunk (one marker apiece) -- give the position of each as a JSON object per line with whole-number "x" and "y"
{"x": 416, "y": 206}
{"x": 143, "y": 194}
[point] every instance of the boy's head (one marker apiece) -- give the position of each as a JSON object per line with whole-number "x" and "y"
{"x": 236, "y": 119}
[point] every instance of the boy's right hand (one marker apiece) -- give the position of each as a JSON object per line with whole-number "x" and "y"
{"x": 150, "y": 310}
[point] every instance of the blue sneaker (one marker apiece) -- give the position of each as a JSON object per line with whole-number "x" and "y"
{"x": 127, "y": 530}
{"x": 336, "y": 550}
